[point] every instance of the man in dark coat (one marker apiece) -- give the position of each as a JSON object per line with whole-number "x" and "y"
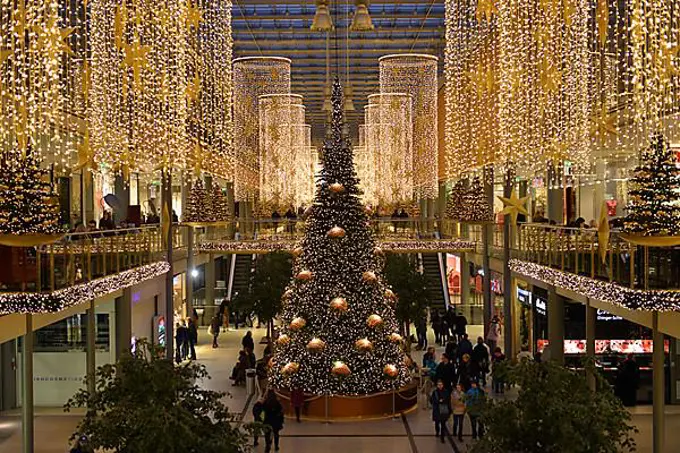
{"x": 446, "y": 372}
{"x": 192, "y": 336}
{"x": 465, "y": 346}
{"x": 247, "y": 341}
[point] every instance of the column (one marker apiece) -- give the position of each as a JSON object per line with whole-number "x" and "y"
{"x": 508, "y": 296}
{"x": 487, "y": 238}
{"x": 430, "y": 214}
{"x": 423, "y": 215}
{"x": 591, "y": 317}
{"x": 464, "y": 280}
{"x": 230, "y": 203}
{"x": 441, "y": 206}
{"x": 658, "y": 396}
{"x": 90, "y": 358}
{"x": 166, "y": 220}
{"x": 556, "y": 326}
{"x": 123, "y": 322}
{"x": 188, "y": 278}
{"x": 27, "y": 388}
{"x": 210, "y": 281}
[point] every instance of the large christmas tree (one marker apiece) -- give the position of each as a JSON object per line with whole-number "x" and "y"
{"x": 339, "y": 332}
{"x": 654, "y": 209}
{"x": 28, "y": 203}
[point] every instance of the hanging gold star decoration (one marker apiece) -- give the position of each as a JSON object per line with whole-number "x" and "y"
{"x": 193, "y": 88}
{"x": 603, "y": 125}
{"x": 603, "y": 233}
{"x": 602, "y": 15}
{"x": 668, "y": 54}
{"x": 136, "y": 59}
{"x": 119, "y": 22}
{"x": 514, "y": 206}
{"x": 551, "y": 76}
{"x": 194, "y": 15}
{"x": 19, "y": 27}
{"x": 486, "y": 10}
{"x": 198, "y": 159}
{"x": 85, "y": 154}
{"x": 87, "y": 80}
{"x": 51, "y": 42}
{"x": 569, "y": 10}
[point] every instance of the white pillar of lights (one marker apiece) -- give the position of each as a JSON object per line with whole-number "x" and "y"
{"x": 253, "y": 77}
{"x": 306, "y": 167}
{"x": 280, "y": 136}
{"x": 416, "y": 75}
{"x": 372, "y": 148}
{"x": 394, "y": 161}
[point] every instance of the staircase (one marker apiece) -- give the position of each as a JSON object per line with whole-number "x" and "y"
{"x": 240, "y": 274}
{"x": 433, "y": 273}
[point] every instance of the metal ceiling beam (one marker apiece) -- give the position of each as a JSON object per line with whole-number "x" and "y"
{"x": 353, "y": 35}
{"x": 352, "y": 44}
{"x": 237, "y": 17}
{"x": 284, "y": 52}
{"x": 310, "y": 3}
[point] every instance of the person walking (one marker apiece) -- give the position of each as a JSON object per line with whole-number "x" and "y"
{"x": 466, "y": 371}
{"x": 192, "y": 335}
{"x": 461, "y": 326}
{"x": 446, "y": 372}
{"x": 273, "y": 420}
{"x": 494, "y": 333}
{"x": 628, "y": 381}
{"x": 215, "y": 325}
{"x": 247, "y": 341}
{"x": 258, "y": 417}
{"x": 441, "y": 409}
{"x": 480, "y": 356}
{"x": 458, "y": 405}
{"x": 474, "y": 401}
{"x": 181, "y": 338}
{"x": 297, "y": 400}
{"x": 464, "y": 346}
{"x": 436, "y": 326}
{"x": 421, "y": 332}
{"x": 497, "y": 377}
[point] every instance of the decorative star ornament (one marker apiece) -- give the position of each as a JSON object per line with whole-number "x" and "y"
{"x": 193, "y": 88}
{"x": 486, "y": 10}
{"x": 551, "y": 77}
{"x": 136, "y": 59}
{"x": 514, "y": 206}
{"x": 85, "y": 154}
{"x": 603, "y": 125}
{"x": 194, "y": 15}
{"x": 198, "y": 159}
{"x": 19, "y": 27}
{"x": 602, "y": 16}
{"x": 119, "y": 22}
{"x": 569, "y": 10}
{"x": 87, "y": 80}
{"x": 603, "y": 233}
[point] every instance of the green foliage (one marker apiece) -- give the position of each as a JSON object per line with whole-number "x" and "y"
{"x": 143, "y": 403}
{"x": 266, "y": 286}
{"x": 409, "y": 285}
{"x": 555, "y": 412}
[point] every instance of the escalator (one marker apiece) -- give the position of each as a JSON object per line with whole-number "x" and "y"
{"x": 435, "y": 272}
{"x": 241, "y": 266}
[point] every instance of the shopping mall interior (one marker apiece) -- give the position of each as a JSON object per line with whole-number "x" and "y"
{"x": 349, "y": 181}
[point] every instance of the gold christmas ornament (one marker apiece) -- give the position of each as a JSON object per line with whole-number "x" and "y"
{"x": 336, "y": 187}
{"x": 283, "y": 340}
{"x": 391, "y": 371}
{"x": 370, "y": 277}
{"x": 340, "y": 369}
{"x": 374, "y": 321}
{"x": 287, "y": 295}
{"x": 316, "y": 345}
{"x": 396, "y": 338}
{"x": 364, "y": 345}
{"x": 336, "y": 233}
{"x": 290, "y": 368}
{"x": 297, "y": 324}
{"x": 339, "y": 304}
{"x": 390, "y": 295}
{"x": 304, "y": 275}
{"x": 297, "y": 251}
{"x": 378, "y": 251}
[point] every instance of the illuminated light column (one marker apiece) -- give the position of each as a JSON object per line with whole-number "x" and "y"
{"x": 279, "y": 137}
{"x": 416, "y": 75}
{"x": 364, "y": 168}
{"x": 368, "y": 163}
{"x": 253, "y": 77}
{"x": 306, "y": 167}
{"x": 394, "y": 160}
{"x": 138, "y": 113}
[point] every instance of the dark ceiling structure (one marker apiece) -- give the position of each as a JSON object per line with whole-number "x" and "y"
{"x": 282, "y": 28}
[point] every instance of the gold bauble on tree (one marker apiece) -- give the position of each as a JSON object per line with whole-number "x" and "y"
{"x": 339, "y": 304}
{"x": 336, "y": 232}
{"x": 340, "y": 369}
{"x": 290, "y": 368}
{"x": 297, "y": 251}
{"x": 283, "y": 339}
{"x": 287, "y": 294}
{"x": 363, "y": 345}
{"x": 369, "y": 277}
{"x": 336, "y": 187}
{"x": 316, "y": 345}
{"x": 389, "y": 294}
{"x": 305, "y": 275}
{"x": 391, "y": 371}
{"x": 396, "y": 338}
{"x": 297, "y": 324}
{"x": 378, "y": 251}
{"x": 374, "y": 321}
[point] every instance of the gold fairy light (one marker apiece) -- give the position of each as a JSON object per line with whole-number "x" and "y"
{"x": 280, "y": 117}
{"x": 253, "y": 77}
{"x": 363, "y": 163}
{"x": 138, "y": 109}
{"x": 416, "y": 75}
{"x": 35, "y": 59}
{"x": 393, "y": 156}
{"x": 305, "y": 168}
{"x": 367, "y": 163}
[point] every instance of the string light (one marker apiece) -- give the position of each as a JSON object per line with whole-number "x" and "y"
{"x": 253, "y": 77}
{"x": 416, "y": 75}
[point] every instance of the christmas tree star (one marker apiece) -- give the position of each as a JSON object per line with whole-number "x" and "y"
{"x": 514, "y": 206}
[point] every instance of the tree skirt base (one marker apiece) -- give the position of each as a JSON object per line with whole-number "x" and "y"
{"x": 354, "y": 408}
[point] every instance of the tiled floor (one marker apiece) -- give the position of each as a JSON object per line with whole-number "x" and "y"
{"x": 411, "y": 434}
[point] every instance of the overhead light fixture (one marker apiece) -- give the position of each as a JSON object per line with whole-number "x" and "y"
{"x": 322, "y": 17}
{"x": 362, "y": 18}
{"x": 327, "y": 104}
{"x": 349, "y": 92}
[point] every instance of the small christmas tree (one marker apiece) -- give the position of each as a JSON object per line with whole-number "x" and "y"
{"x": 28, "y": 203}
{"x": 654, "y": 209}
{"x": 454, "y": 206}
{"x": 198, "y": 208}
{"x": 476, "y": 207}
{"x": 339, "y": 332}
{"x": 220, "y": 208}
